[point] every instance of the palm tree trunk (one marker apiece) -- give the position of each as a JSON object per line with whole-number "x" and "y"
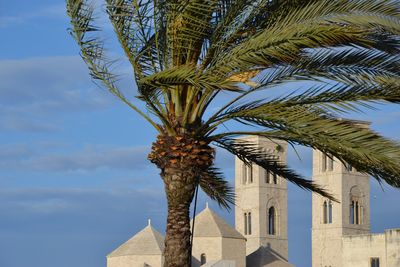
{"x": 181, "y": 159}
{"x": 179, "y": 188}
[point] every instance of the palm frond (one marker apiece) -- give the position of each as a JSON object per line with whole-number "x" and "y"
{"x": 365, "y": 70}
{"x": 188, "y": 75}
{"x": 187, "y": 28}
{"x": 307, "y": 27}
{"x": 131, "y": 22}
{"x": 249, "y": 153}
{"x": 185, "y": 53}
{"x": 213, "y": 183}
{"x": 345, "y": 98}
{"x": 346, "y": 140}
{"x": 92, "y": 50}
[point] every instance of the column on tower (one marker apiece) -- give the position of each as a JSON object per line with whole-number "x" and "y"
{"x": 261, "y": 202}
{"x": 333, "y": 220}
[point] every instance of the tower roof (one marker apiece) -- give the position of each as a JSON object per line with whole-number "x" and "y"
{"x": 209, "y": 224}
{"x": 147, "y": 242}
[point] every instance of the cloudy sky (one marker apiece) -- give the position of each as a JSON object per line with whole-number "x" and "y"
{"x": 74, "y": 179}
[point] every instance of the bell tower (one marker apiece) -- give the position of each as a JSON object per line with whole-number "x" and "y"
{"x": 332, "y": 220}
{"x": 261, "y": 203}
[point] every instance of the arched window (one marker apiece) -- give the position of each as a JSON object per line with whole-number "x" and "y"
{"x": 247, "y": 174}
{"x": 355, "y": 212}
{"x": 271, "y": 221}
{"x": 355, "y": 206}
{"x": 203, "y": 259}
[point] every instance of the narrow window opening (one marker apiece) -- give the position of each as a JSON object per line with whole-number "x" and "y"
{"x": 244, "y": 173}
{"x": 349, "y": 168}
{"x": 267, "y": 177}
{"x": 249, "y": 223}
{"x": 330, "y": 212}
{"x": 245, "y": 223}
{"x": 325, "y": 212}
{"x": 203, "y": 259}
{"x": 352, "y": 212}
{"x": 275, "y": 179}
{"x": 323, "y": 167}
{"x": 250, "y": 173}
{"x": 271, "y": 221}
{"x": 374, "y": 262}
{"x": 355, "y": 212}
{"x": 330, "y": 163}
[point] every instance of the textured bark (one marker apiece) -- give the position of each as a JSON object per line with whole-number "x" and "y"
{"x": 179, "y": 187}
{"x": 181, "y": 159}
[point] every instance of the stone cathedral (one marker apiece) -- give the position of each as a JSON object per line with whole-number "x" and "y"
{"x": 340, "y": 231}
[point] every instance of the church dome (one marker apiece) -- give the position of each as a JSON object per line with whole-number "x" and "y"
{"x": 147, "y": 242}
{"x": 209, "y": 224}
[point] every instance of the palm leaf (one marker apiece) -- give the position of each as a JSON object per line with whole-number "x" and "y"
{"x": 251, "y": 153}
{"x": 346, "y": 140}
{"x": 216, "y": 187}
{"x": 92, "y": 50}
{"x": 307, "y": 27}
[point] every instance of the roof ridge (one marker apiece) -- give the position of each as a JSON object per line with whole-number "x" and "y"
{"x": 148, "y": 241}
{"x": 209, "y": 223}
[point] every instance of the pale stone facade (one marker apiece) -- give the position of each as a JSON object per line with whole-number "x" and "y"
{"x": 261, "y": 207}
{"x": 359, "y": 250}
{"x": 214, "y": 240}
{"x": 142, "y": 250}
{"x": 331, "y": 220}
{"x": 340, "y": 230}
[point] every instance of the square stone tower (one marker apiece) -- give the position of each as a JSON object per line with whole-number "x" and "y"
{"x": 331, "y": 220}
{"x": 261, "y": 204}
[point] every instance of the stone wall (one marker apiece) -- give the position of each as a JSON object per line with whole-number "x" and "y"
{"x": 358, "y": 250}
{"x": 235, "y": 250}
{"x": 392, "y": 247}
{"x": 135, "y": 261}
{"x": 210, "y": 246}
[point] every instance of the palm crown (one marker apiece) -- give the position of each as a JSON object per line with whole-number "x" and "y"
{"x": 184, "y": 53}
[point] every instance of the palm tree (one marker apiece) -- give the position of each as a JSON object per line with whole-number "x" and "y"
{"x": 186, "y": 53}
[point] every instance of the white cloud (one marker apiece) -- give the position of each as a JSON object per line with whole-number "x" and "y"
{"x": 89, "y": 158}
{"x": 15, "y": 151}
{"x": 50, "y": 83}
{"x": 50, "y": 224}
{"x": 33, "y": 89}
{"x": 89, "y": 205}
{"x": 15, "y": 123}
{"x": 45, "y": 12}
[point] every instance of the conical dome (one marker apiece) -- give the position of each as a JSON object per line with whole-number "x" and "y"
{"x": 209, "y": 224}
{"x": 147, "y": 242}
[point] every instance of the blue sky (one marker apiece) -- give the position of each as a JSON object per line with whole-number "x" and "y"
{"x": 74, "y": 179}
